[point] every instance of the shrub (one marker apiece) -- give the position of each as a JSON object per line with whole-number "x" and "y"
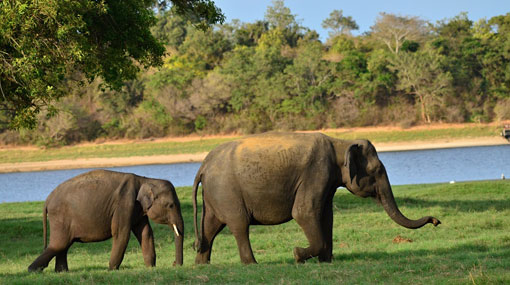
{"x": 502, "y": 109}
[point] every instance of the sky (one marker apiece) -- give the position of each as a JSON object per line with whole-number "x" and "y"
{"x": 364, "y": 12}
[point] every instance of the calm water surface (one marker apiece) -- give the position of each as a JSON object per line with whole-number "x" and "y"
{"x": 407, "y": 167}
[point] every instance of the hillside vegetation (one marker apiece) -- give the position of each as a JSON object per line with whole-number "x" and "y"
{"x": 275, "y": 74}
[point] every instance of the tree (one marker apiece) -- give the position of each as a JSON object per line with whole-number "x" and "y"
{"x": 170, "y": 29}
{"x": 339, "y": 24}
{"x": 203, "y": 13}
{"x": 280, "y": 17}
{"x": 497, "y": 60}
{"x": 44, "y": 43}
{"x": 248, "y": 34}
{"x": 393, "y": 30}
{"x": 420, "y": 73}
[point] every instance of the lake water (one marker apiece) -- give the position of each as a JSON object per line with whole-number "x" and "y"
{"x": 406, "y": 167}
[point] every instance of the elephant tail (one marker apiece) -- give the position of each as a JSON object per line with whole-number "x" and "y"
{"x": 198, "y": 179}
{"x": 45, "y": 228}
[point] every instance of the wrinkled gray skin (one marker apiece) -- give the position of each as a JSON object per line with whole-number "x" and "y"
{"x": 271, "y": 178}
{"x": 101, "y": 204}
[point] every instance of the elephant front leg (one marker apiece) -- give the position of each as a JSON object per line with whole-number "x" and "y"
{"x": 311, "y": 225}
{"x": 121, "y": 229}
{"x": 327, "y": 231}
{"x": 145, "y": 237}
{"x": 119, "y": 245}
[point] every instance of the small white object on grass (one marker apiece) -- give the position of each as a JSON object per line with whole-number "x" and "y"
{"x": 452, "y": 182}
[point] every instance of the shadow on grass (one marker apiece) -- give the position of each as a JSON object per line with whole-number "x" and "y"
{"x": 462, "y": 254}
{"x": 344, "y": 202}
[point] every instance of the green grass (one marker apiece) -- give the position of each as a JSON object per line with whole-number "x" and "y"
{"x": 472, "y": 246}
{"x": 471, "y": 131}
{"x": 205, "y": 145}
{"x": 110, "y": 150}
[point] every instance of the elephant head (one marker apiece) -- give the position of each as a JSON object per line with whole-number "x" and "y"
{"x": 364, "y": 175}
{"x": 160, "y": 203}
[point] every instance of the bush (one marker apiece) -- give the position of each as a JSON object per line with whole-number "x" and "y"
{"x": 149, "y": 119}
{"x": 400, "y": 112}
{"x": 9, "y": 137}
{"x": 502, "y": 109}
{"x": 344, "y": 111}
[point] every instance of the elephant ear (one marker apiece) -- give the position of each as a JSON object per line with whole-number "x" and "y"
{"x": 145, "y": 197}
{"x": 350, "y": 161}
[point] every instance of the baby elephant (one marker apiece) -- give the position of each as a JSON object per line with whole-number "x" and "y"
{"x": 101, "y": 204}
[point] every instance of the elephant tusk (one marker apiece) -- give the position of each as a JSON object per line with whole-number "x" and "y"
{"x": 175, "y": 230}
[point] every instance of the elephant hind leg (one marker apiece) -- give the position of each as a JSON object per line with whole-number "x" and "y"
{"x": 42, "y": 261}
{"x": 59, "y": 244}
{"x": 61, "y": 261}
{"x": 212, "y": 226}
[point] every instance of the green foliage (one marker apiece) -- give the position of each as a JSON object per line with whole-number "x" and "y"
{"x": 47, "y": 45}
{"x": 200, "y": 123}
{"x": 272, "y": 74}
{"x": 470, "y": 246}
{"x": 42, "y": 42}
{"x": 202, "y": 13}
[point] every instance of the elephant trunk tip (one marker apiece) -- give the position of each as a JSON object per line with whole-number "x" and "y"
{"x": 435, "y": 221}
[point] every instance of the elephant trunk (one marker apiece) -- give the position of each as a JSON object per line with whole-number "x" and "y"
{"x": 178, "y": 230}
{"x": 385, "y": 196}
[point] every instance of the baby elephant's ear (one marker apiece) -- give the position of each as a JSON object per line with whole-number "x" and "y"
{"x": 145, "y": 197}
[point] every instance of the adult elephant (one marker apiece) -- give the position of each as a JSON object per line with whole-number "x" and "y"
{"x": 271, "y": 178}
{"x": 101, "y": 204}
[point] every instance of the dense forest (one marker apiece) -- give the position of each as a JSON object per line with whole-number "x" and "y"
{"x": 275, "y": 74}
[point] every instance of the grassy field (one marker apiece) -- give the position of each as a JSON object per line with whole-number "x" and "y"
{"x": 145, "y": 148}
{"x": 472, "y": 246}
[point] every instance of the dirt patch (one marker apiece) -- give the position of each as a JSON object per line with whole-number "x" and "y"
{"x": 100, "y": 162}
{"x": 399, "y": 239}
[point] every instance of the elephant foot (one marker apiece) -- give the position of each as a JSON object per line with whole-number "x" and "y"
{"x": 247, "y": 262}
{"x": 114, "y": 267}
{"x": 325, "y": 257}
{"x": 61, "y": 269}
{"x": 300, "y": 255}
{"x": 201, "y": 260}
{"x": 33, "y": 268}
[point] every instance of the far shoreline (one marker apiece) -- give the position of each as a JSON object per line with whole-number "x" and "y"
{"x": 198, "y": 157}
